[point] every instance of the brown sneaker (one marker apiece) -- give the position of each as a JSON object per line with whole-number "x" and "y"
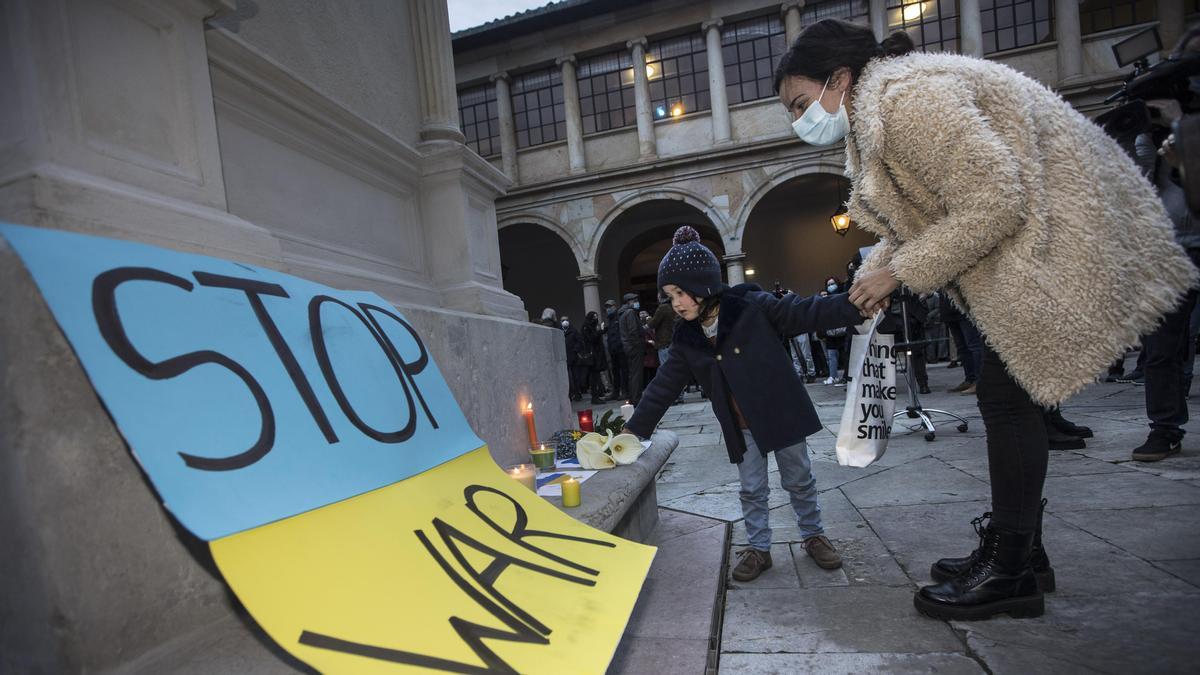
{"x": 822, "y": 552}
{"x": 969, "y": 391}
{"x": 751, "y": 563}
{"x": 961, "y": 386}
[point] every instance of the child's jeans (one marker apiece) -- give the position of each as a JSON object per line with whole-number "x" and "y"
{"x": 795, "y": 473}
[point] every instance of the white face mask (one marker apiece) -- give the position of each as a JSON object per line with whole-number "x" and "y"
{"x": 818, "y": 127}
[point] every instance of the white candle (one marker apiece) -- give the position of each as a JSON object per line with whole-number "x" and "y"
{"x": 627, "y": 411}
{"x": 525, "y": 475}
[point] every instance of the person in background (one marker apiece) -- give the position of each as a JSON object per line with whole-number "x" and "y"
{"x": 616, "y": 352}
{"x": 663, "y": 325}
{"x": 549, "y": 318}
{"x": 728, "y": 339}
{"x": 976, "y": 177}
{"x": 593, "y": 355}
{"x": 834, "y": 339}
{"x": 576, "y": 371}
{"x": 966, "y": 339}
{"x": 1166, "y": 349}
{"x": 633, "y": 342}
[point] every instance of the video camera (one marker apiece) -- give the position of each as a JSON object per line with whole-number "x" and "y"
{"x": 1167, "y": 79}
{"x": 1175, "y": 78}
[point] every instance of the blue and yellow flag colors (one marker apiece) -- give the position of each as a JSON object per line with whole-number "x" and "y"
{"x": 308, "y": 435}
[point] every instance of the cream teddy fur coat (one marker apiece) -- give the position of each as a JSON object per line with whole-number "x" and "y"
{"x": 977, "y": 178}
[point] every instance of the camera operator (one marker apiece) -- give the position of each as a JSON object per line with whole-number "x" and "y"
{"x": 1166, "y": 349}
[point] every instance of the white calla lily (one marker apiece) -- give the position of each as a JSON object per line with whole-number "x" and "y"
{"x": 625, "y": 448}
{"x": 591, "y": 455}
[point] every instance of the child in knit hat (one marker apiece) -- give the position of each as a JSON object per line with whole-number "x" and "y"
{"x": 729, "y": 341}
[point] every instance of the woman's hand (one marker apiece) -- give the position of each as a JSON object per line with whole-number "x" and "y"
{"x": 870, "y": 291}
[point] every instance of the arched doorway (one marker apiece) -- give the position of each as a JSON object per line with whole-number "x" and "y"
{"x": 636, "y": 241}
{"x": 788, "y": 237}
{"x": 540, "y": 268}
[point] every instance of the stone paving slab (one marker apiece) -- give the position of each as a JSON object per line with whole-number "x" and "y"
{"x": 722, "y": 501}
{"x": 671, "y": 626}
{"x": 919, "y": 534}
{"x": 1116, "y": 490}
{"x": 837, "y": 514}
{"x": 1124, "y": 538}
{"x": 781, "y": 575}
{"x": 848, "y": 664}
{"x": 1095, "y": 634}
{"x": 1187, "y": 570}
{"x": 1141, "y": 531}
{"x": 846, "y": 619}
{"x": 637, "y": 656}
{"x": 921, "y": 481}
{"x": 1062, "y": 463}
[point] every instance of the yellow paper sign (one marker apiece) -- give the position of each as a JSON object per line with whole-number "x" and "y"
{"x": 459, "y": 569}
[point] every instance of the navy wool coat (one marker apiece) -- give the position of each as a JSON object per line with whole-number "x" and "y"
{"x": 748, "y": 364}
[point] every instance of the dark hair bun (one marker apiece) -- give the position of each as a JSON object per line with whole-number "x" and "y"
{"x": 685, "y": 234}
{"x": 897, "y": 44}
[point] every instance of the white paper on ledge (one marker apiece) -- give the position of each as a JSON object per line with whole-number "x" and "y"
{"x": 556, "y": 489}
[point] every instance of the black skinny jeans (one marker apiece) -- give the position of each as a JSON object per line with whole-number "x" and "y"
{"x": 1017, "y": 447}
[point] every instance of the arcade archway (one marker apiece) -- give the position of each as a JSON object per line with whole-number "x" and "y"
{"x": 540, "y": 268}
{"x": 788, "y": 237}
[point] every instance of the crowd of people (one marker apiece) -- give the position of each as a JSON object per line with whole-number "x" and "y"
{"x": 1008, "y": 223}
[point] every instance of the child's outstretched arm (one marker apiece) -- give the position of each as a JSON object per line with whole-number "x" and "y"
{"x": 668, "y": 383}
{"x": 793, "y": 314}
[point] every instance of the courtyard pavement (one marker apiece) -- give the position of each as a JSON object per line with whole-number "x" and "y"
{"x": 1123, "y": 537}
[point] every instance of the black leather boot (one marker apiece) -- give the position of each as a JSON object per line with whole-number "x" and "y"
{"x": 1067, "y": 426}
{"x": 999, "y": 582}
{"x": 948, "y": 568}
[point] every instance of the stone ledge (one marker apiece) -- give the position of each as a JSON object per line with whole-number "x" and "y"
{"x": 623, "y": 500}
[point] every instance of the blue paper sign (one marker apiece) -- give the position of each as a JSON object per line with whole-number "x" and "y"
{"x": 246, "y": 395}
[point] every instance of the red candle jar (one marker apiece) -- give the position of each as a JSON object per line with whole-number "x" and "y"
{"x": 585, "y": 420}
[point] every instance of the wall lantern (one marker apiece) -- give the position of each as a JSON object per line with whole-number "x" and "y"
{"x": 840, "y": 221}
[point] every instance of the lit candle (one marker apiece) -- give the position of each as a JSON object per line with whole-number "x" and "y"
{"x": 543, "y": 457}
{"x": 570, "y": 492}
{"x": 528, "y": 413}
{"x": 627, "y": 410}
{"x": 585, "y": 420}
{"x": 524, "y": 474}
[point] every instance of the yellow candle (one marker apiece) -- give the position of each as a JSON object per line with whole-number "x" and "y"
{"x": 570, "y": 492}
{"x": 525, "y": 475}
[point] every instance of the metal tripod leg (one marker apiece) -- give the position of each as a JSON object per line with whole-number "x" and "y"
{"x": 914, "y": 409}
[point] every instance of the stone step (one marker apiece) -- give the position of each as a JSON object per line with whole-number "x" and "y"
{"x": 676, "y": 624}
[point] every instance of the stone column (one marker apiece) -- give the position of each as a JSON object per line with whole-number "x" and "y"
{"x": 735, "y": 268}
{"x": 591, "y": 296}
{"x": 791, "y": 20}
{"x": 877, "y": 9}
{"x": 647, "y": 146}
{"x": 1170, "y": 22}
{"x": 508, "y": 131}
{"x": 1070, "y": 43}
{"x": 435, "y": 71}
{"x": 970, "y": 39}
{"x": 574, "y": 119}
{"x": 722, "y": 132}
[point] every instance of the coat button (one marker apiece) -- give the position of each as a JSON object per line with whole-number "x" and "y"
{"x": 736, "y": 350}
{"x": 718, "y": 357}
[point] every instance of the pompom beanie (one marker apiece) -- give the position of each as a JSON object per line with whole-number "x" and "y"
{"x": 690, "y": 265}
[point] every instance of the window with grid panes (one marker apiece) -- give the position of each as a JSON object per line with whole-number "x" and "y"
{"x": 1008, "y": 24}
{"x": 537, "y": 101}
{"x": 932, "y": 24}
{"x": 1099, "y": 15}
{"x": 606, "y": 94}
{"x": 678, "y": 72}
{"x": 856, "y": 11}
{"x": 750, "y": 49}
{"x": 479, "y": 118}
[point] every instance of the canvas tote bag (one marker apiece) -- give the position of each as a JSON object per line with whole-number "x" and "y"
{"x": 870, "y": 396}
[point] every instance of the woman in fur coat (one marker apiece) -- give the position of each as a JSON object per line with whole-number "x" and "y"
{"x": 979, "y": 179}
